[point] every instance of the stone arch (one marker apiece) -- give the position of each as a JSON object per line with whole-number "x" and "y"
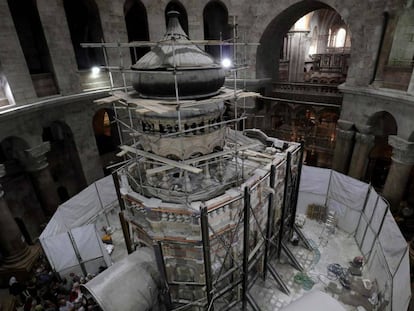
{"x": 271, "y": 41}
{"x": 215, "y": 19}
{"x": 136, "y": 21}
{"x": 63, "y": 150}
{"x": 383, "y": 123}
{"x": 85, "y": 26}
{"x": 33, "y": 43}
{"x": 19, "y": 192}
{"x": 175, "y": 5}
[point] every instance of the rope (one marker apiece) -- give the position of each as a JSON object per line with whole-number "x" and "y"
{"x": 304, "y": 280}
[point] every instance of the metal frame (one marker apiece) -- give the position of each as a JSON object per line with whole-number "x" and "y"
{"x": 239, "y": 279}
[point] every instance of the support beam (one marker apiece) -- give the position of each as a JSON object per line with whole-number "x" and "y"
{"x": 125, "y": 230}
{"x": 279, "y": 280}
{"x": 167, "y": 161}
{"x": 246, "y": 234}
{"x": 206, "y": 255}
{"x": 295, "y": 263}
{"x": 270, "y": 220}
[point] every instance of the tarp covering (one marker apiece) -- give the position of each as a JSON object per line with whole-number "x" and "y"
{"x": 70, "y": 239}
{"x": 361, "y": 211}
{"x": 83, "y": 207}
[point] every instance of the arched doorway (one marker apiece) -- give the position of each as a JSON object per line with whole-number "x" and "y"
{"x": 84, "y": 26}
{"x": 63, "y": 151}
{"x": 33, "y": 43}
{"x": 382, "y": 125}
{"x": 177, "y": 6}
{"x": 216, "y": 27}
{"x": 137, "y": 27}
{"x": 107, "y": 138}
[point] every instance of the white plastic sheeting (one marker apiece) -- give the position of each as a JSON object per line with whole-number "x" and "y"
{"x": 60, "y": 251}
{"x": 83, "y": 207}
{"x": 315, "y": 301}
{"x": 70, "y": 239}
{"x": 361, "y": 211}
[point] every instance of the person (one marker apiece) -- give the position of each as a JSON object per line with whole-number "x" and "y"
{"x": 16, "y": 289}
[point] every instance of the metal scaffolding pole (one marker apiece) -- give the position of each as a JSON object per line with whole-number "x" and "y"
{"x": 270, "y": 216}
{"x": 246, "y": 232}
{"x": 159, "y": 257}
{"x": 207, "y": 260}
{"x": 284, "y": 205}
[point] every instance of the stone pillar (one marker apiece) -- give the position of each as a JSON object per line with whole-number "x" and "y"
{"x": 343, "y": 150}
{"x": 38, "y": 167}
{"x": 297, "y": 42}
{"x": 410, "y": 89}
{"x": 359, "y": 161}
{"x": 402, "y": 164}
{"x": 12, "y": 244}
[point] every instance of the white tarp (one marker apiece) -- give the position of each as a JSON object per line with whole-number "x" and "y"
{"x": 83, "y": 207}
{"x": 71, "y": 219}
{"x": 314, "y": 184}
{"x": 60, "y": 250}
{"x": 361, "y": 210}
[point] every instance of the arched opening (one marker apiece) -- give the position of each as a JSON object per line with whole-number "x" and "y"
{"x": 84, "y": 26}
{"x": 382, "y": 125}
{"x": 137, "y": 27}
{"x": 33, "y": 43}
{"x": 183, "y": 19}
{"x": 19, "y": 191}
{"x": 107, "y": 138}
{"x": 287, "y": 41}
{"x": 63, "y": 151}
{"x": 216, "y": 27}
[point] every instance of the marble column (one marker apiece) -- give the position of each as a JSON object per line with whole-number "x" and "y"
{"x": 359, "y": 160}
{"x": 38, "y": 167}
{"x": 402, "y": 164}
{"x": 12, "y": 244}
{"x": 343, "y": 150}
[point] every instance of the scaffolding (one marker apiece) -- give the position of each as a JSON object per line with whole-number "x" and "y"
{"x": 237, "y": 225}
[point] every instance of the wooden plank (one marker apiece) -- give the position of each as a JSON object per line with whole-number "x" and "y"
{"x": 160, "y": 169}
{"x": 169, "y": 162}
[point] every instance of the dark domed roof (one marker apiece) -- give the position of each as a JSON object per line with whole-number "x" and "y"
{"x": 197, "y": 73}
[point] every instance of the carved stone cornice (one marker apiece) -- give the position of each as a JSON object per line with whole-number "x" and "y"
{"x": 35, "y": 158}
{"x": 403, "y": 150}
{"x": 365, "y": 139}
{"x": 344, "y": 135}
{"x": 345, "y": 125}
{"x": 363, "y": 128}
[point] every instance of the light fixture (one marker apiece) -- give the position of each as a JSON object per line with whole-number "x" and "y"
{"x": 95, "y": 71}
{"x": 226, "y": 63}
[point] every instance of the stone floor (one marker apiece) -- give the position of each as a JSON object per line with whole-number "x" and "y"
{"x": 340, "y": 248}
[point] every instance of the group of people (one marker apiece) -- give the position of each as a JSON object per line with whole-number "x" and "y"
{"x": 45, "y": 291}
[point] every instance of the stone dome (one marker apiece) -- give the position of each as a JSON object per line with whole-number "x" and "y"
{"x": 197, "y": 73}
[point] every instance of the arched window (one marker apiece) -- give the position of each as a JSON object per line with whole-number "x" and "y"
{"x": 183, "y": 19}
{"x": 340, "y": 38}
{"x": 84, "y": 26}
{"x": 215, "y": 17}
{"x": 32, "y": 40}
{"x": 137, "y": 26}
